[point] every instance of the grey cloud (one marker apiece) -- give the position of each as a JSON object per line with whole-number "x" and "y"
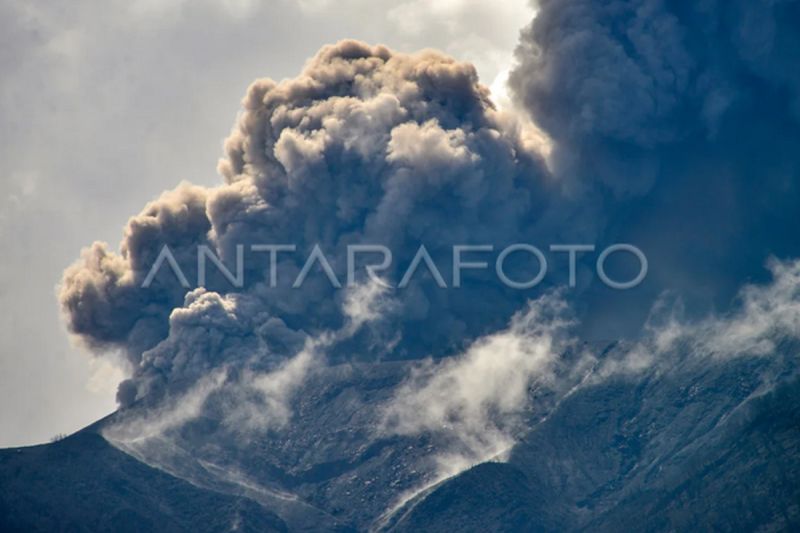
{"x": 364, "y": 146}
{"x": 676, "y": 123}
{"x": 612, "y": 69}
{"x": 101, "y": 294}
{"x": 649, "y": 72}
{"x": 98, "y": 119}
{"x": 369, "y": 145}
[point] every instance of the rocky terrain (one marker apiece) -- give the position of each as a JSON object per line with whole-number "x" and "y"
{"x": 690, "y": 442}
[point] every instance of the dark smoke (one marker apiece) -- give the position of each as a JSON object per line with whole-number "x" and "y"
{"x": 682, "y": 121}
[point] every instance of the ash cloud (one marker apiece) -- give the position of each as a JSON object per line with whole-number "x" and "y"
{"x": 672, "y": 127}
{"x": 101, "y": 293}
{"x": 364, "y": 146}
{"x": 681, "y": 122}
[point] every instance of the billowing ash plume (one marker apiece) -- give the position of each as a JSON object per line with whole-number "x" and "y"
{"x": 672, "y": 127}
{"x": 682, "y": 120}
{"x": 365, "y": 146}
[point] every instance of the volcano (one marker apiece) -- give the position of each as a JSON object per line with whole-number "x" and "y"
{"x": 685, "y": 443}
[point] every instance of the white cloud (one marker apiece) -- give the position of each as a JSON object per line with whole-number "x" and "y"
{"x": 477, "y": 399}
{"x": 764, "y": 315}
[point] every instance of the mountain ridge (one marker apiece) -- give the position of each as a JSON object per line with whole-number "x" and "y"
{"x": 690, "y": 442}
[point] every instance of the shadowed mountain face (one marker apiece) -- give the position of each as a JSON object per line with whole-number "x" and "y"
{"x": 690, "y": 443}
{"x": 82, "y": 483}
{"x": 658, "y": 456}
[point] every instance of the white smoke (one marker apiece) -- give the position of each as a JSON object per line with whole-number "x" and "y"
{"x": 764, "y": 315}
{"x": 478, "y": 401}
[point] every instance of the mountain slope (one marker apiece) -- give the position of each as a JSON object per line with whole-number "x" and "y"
{"x": 689, "y": 442}
{"x": 82, "y": 483}
{"x": 677, "y": 451}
